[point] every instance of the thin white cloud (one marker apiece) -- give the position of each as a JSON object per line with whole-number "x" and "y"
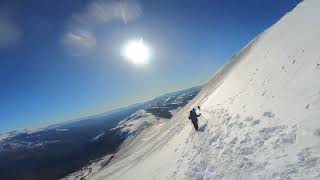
{"x": 97, "y": 13}
{"x": 9, "y": 32}
{"x": 79, "y": 42}
{"x": 104, "y": 11}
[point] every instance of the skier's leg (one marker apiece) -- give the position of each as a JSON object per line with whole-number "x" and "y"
{"x": 195, "y": 125}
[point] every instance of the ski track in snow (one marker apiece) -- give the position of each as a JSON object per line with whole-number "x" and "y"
{"x": 260, "y": 115}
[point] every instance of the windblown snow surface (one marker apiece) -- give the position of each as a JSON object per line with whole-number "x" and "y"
{"x": 260, "y": 115}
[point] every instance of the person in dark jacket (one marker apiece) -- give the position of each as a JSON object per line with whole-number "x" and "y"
{"x": 193, "y": 116}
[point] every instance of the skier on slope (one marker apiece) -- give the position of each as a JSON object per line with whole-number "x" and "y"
{"x": 193, "y": 116}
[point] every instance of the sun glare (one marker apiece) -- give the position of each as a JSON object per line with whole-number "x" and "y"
{"x": 137, "y": 52}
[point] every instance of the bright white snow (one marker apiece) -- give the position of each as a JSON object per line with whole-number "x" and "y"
{"x": 136, "y": 122}
{"x": 260, "y": 115}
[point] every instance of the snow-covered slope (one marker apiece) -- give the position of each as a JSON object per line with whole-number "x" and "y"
{"x": 151, "y": 113}
{"x": 260, "y": 115}
{"x": 137, "y": 121}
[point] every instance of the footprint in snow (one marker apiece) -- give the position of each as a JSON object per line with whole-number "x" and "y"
{"x": 268, "y": 114}
{"x": 214, "y": 139}
{"x": 234, "y": 140}
{"x": 317, "y": 132}
{"x": 255, "y": 122}
{"x": 285, "y": 138}
{"x": 248, "y": 119}
{"x": 241, "y": 125}
{"x": 269, "y": 132}
{"x": 284, "y": 68}
{"x": 246, "y": 139}
{"x": 247, "y": 151}
{"x": 302, "y": 155}
{"x": 307, "y": 106}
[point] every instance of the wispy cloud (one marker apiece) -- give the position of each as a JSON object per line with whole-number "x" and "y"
{"x": 79, "y": 42}
{"x": 99, "y": 12}
{"x": 9, "y": 32}
{"x": 103, "y": 11}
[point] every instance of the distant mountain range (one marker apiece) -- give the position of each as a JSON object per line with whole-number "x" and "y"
{"x": 58, "y": 150}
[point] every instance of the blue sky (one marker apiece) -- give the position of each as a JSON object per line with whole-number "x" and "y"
{"x": 61, "y": 60}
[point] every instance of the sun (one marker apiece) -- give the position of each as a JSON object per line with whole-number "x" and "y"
{"x": 137, "y": 51}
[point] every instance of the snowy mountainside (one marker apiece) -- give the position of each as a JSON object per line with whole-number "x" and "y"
{"x": 150, "y": 115}
{"x": 260, "y": 115}
{"x": 136, "y": 121}
{"x": 78, "y": 145}
{"x": 160, "y": 108}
